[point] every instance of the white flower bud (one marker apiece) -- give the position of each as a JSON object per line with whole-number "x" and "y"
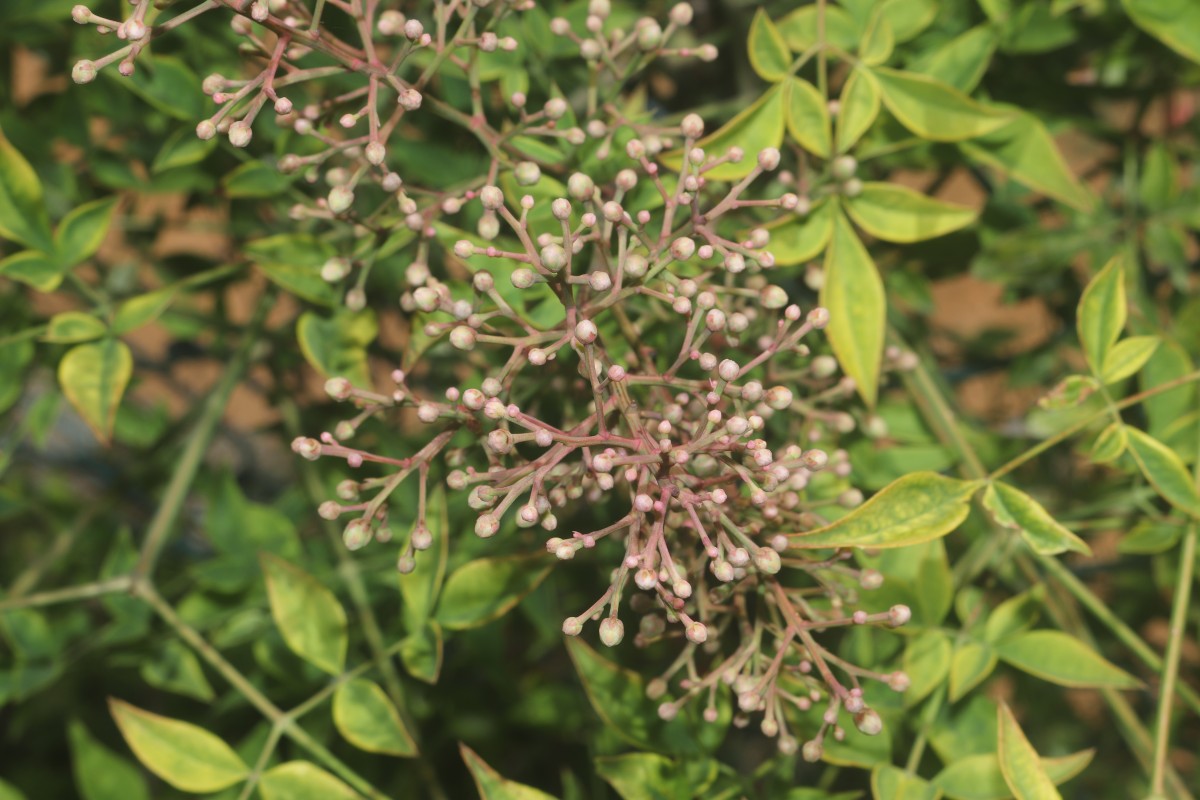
{"x": 586, "y": 331}
{"x": 340, "y": 199}
{"x": 692, "y": 126}
{"x": 84, "y": 71}
{"x": 491, "y": 197}
{"x": 463, "y": 337}
{"x": 572, "y": 626}
{"x": 612, "y": 631}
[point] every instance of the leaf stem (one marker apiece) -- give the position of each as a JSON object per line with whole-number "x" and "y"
{"x": 1179, "y": 612}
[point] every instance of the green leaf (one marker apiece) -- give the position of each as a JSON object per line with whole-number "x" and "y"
{"x": 1128, "y": 356}
{"x": 1109, "y": 444}
{"x": 337, "y": 347}
{"x": 82, "y": 231}
{"x": 142, "y": 310}
{"x": 878, "y": 41}
{"x": 72, "y": 327}
{"x": 186, "y": 756}
{"x": 33, "y": 268}
{"x": 1062, "y": 659}
{"x": 421, "y": 652}
{"x": 1150, "y": 537}
{"x": 294, "y": 261}
{"x": 101, "y": 774}
{"x": 796, "y": 239}
{"x": 1101, "y": 313}
{"x": 1014, "y": 615}
{"x": 768, "y": 52}
{"x": 23, "y": 216}
{"x": 492, "y": 785}
{"x": 419, "y": 588}
{"x": 755, "y": 128}
{"x": 857, "y": 108}
{"x": 1019, "y": 762}
{"x": 978, "y": 777}
{"x": 807, "y": 117}
{"x": 1165, "y": 471}
{"x": 971, "y": 664}
{"x": 649, "y": 776}
{"x": 1170, "y": 361}
{"x": 1158, "y": 184}
{"x": 927, "y": 663}
{"x": 800, "y": 28}
{"x": 311, "y": 619}
{"x": 1016, "y": 510}
{"x": 893, "y": 783}
{"x": 254, "y": 179}
{"x": 916, "y": 508}
{"x": 177, "y": 670}
{"x": 182, "y": 149}
{"x": 909, "y": 17}
{"x": 301, "y": 780}
{"x": 1024, "y": 150}
{"x": 934, "y": 110}
{"x": 1175, "y": 23}
{"x": 853, "y": 293}
{"x": 169, "y": 85}
{"x": 487, "y": 588}
{"x": 896, "y": 213}
{"x": 962, "y": 61}
{"x": 93, "y": 378}
{"x": 366, "y": 718}
{"x": 10, "y": 792}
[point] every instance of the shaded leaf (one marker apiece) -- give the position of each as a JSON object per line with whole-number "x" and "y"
{"x": 970, "y": 665}
{"x": 1109, "y": 444}
{"x": 916, "y": 508}
{"x": 807, "y": 117}
{"x": 1070, "y": 392}
{"x": 893, "y": 783}
{"x": 168, "y": 84}
{"x": 1014, "y": 509}
{"x": 337, "y": 346}
{"x": 255, "y": 179}
{"x": 186, "y": 756}
{"x": 1100, "y": 316}
{"x": 1014, "y": 615}
{"x": 294, "y": 261}
{"x": 419, "y": 588}
{"x": 492, "y": 785}
{"x": 421, "y": 652}
{"x": 768, "y": 52}
{"x": 301, "y": 780}
{"x": 1060, "y": 658}
{"x": 978, "y": 777}
{"x": 1170, "y": 361}
{"x": 853, "y": 293}
{"x": 1024, "y": 150}
{"x": 82, "y": 231}
{"x": 23, "y": 216}
{"x": 1150, "y": 536}
{"x": 71, "y": 327}
{"x": 1019, "y": 762}
{"x": 182, "y": 149}
{"x": 799, "y": 28}
{"x": 142, "y": 310}
{"x": 649, "y": 776}
{"x": 34, "y": 268}
{"x": 858, "y": 107}
{"x": 927, "y": 663}
{"x": 1175, "y": 23}
{"x": 487, "y": 588}
{"x": 896, "y": 213}
{"x": 1165, "y": 471}
{"x": 178, "y": 670}
{"x": 101, "y": 774}
{"x": 311, "y": 619}
{"x": 909, "y": 17}
{"x": 1128, "y": 356}
{"x": 366, "y": 718}
{"x": 878, "y": 41}
{"x": 93, "y": 377}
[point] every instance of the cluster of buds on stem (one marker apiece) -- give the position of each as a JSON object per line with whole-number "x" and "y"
{"x": 640, "y": 373}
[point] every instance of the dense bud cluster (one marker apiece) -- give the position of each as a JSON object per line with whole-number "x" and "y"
{"x": 692, "y": 466}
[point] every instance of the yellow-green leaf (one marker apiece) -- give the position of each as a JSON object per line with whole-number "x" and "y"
{"x": 896, "y": 213}
{"x": 1101, "y": 313}
{"x": 1062, "y": 659}
{"x": 769, "y": 53}
{"x": 758, "y": 127}
{"x": 962, "y": 61}
{"x": 853, "y": 293}
{"x": 926, "y": 662}
{"x": 101, "y": 774}
{"x": 142, "y": 310}
{"x": 72, "y": 327}
{"x": 421, "y": 652}
{"x": 893, "y": 783}
{"x": 857, "y": 108}
{"x": 1175, "y": 23}
{"x": 796, "y": 239}
{"x": 82, "y": 231}
{"x": 1014, "y": 615}
{"x": 1109, "y": 444}
{"x": 1127, "y": 357}
{"x": 494, "y": 786}
{"x": 366, "y": 718}
{"x": 650, "y": 776}
{"x": 1019, "y": 762}
{"x": 807, "y": 117}
{"x": 934, "y": 110}
{"x": 487, "y": 588}
{"x": 34, "y": 268}
{"x": 301, "y": 780}
{"x": 1165, "y": 470}
{"x": 916, "y": 508}
{"x": 309, "y": 616}
{"x": 23, "y": 216}
{"x": 294, "y": 261}
{"x": 971, "y": 663}
{"x": 878, "y": 42}
{"x": 800, "y": 28}
{"x": 1024, "y": 150}
{"x": 93, "y": 378}
{"x": 978, "y": 777}
{"x": 1014, "y": 509}
{"x": 186, "y": 756}
{"x": 909, "y": 17}
{"x": 337, "y": 347}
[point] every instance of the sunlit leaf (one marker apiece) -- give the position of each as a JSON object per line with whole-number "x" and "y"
{"x": 853, "y": 293}
{"x": 142, "y": 310}
{"x": 34, "y": 268}
{"x": 800, "y": 28}
{"x": 23, "y": 217}
{"x": 309, "y": 616}
{"x": 858, "y": 107}
{"x": 934, "y": 110}
{"x": 1016, "y": 510}
{"x": 72, "y": 327}
{"x": 807, "y": 117}
{"x": 82, "y": 231}
{"x": 366, "y": 718}
{"x": 1128, "y": 356}
{"x": 301, "y": 780}
{"x": 487, "y": 588}
{"x": 1060, "y": 658}
{"x": 962, "y": 61}
{"x": 796, "y": 239}
{"x": 896, "y": 213}
{"x": 649, "y": 776}
{"x": 492, "y": 785}
{"x": 1101, "y": 313}
{"x": 1165, "y": 470}
{"x": 1019, "y": 762}
{"x": 893, "y": 783}
{"x": 186, "y": 756}
{"x": 927, "y": 663}
{"x": 978, "y": 777}
{"x": 754, "y": 129}
{"x": 768, "y": 52}
{"x": 94, "y": 377}
{"x": 970, "y": 665}
{"x": 1175, "y": 23}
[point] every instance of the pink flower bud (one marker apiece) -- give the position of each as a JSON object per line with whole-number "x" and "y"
{"x": 487, "y": 526}
{"x": 899, "y": 615}
{"x": 612, "y": 631}
{"x": 697, "y": 633}
{"x": 572, "y": 626}
{"x": 84, "y": 71}
{"x": 586, "y": 331}
{"x": 491, "y": 197}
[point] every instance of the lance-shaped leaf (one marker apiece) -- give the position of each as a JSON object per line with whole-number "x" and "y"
{"x": 795, "y": 240}
{"x": 421, "y": 652}
{"x": 1059, "y": 658}
{"x": 971, "y": 664}
{"x": 857, "y": 108}
{"x": 82, "y": 231}
{"x": 978, "y": 777}
{"x": 962, "y": 61}
{"x": 1175, "y": 23}
{"x": 22, "y": 215}
{"x": 927, "y": 662}
{"x": 337, "y": 347}
{"x": 1101, "y": 313}
{"x": 1165, "y": 470}
{"x": 186, "y": 756}
{"x": 1014, "y": 509}
{"x": 853, "y": 293}
{"x": 934, "y": 110}
{"x": 807, "y": 117}
{"x": 1019, "y": 762}
{"x": 494, "y": 786}
{"x": 1127, "y": 357}
{"x": 754, "y": 129}
{"x": 72, "y": 327}
{"x": 34, "y": 268}
{"x": 366, "y": 718}
{"x": 309, "y": 616}
{"x": 878, "y": 41}
{"x": 916, "y": 508}
{"x": 301, "y": 780}
{"x": 768, "y": 51}
{"x": 898, "y": 214}
{"x": 94, "y": 377}
{"x": 487, "y": 588}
